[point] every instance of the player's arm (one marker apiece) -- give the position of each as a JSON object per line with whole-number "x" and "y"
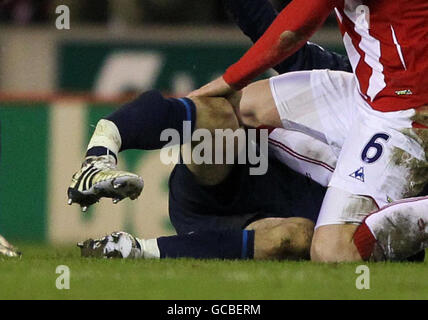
{"x": 254, "y": 17}
{"x": 287, "y": 34}
{"x": 290, "y": 31}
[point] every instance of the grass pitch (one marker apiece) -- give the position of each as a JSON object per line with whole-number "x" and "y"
{"x": 33, "y": 277}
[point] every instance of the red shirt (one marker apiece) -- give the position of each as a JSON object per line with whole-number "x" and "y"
{"x": 386, "y": 41}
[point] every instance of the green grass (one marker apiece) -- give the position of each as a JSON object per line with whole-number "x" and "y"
{"x": 33, "y": 277}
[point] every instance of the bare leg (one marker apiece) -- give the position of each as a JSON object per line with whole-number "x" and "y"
{"x": 334, "y": 243}
{"x": 212, "y": 114}
{"x": 282, "y": 238}
{"x": 257, "y": 106}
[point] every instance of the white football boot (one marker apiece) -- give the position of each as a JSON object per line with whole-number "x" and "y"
{"x": 98, "y": 178}
{"x": 119, "y": 245}
{"x": 7, "y": 249}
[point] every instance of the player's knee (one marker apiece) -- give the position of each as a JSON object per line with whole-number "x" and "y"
{"x": 214, "y": 113}
{"x": 256, "y": 104}
{"x": 334, "y": 243}
{"x": 302, "y": 239}
{"x": 292, "y": 240}
{"x": 323, "y": 253}
{"x": 250, "y": 112}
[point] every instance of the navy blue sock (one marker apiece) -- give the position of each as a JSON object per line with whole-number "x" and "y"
{"x": 142, "y": 121}
{"x": 233, "y": 244}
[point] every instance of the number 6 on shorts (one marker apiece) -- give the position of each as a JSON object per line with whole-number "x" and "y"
{"x": 372, "y": 144}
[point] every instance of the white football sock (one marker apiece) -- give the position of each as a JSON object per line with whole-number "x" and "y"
{"x": 106, "y": 135}
{"x": 401, "y": 229}
{"x": 149, "y": 248}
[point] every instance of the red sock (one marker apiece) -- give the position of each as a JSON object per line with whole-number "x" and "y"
{"x": 365, "y": 241}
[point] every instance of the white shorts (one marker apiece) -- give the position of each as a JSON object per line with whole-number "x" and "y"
{"x": 304, "y": 154}
{"x": 378, "y": 154}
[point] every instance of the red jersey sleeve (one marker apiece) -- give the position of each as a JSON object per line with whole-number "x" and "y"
{"x": 303, "y": 17}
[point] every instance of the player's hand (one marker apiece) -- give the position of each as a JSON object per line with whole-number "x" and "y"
{"x": 216, "y": 88}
